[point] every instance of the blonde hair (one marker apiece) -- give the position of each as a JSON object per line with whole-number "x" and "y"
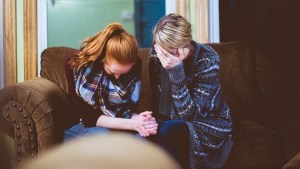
{"x": 172, "y": 31}
{"x": 112, "y": 43}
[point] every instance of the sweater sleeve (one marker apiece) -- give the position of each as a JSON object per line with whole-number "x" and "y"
{"x": 199, "y": 97}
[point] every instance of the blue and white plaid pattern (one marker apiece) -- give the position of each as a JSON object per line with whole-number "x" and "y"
{"x": 112, "y": 97}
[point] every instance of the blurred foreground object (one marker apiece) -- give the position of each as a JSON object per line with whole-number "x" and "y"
{"x": 108, "y": 151}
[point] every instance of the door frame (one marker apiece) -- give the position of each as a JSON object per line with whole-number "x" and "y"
{"x": 9, "y": 42}
{"x": 1, "y": 49}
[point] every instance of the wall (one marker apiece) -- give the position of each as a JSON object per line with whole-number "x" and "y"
{"x": 170, "y": 6}
{"x": 20, "y": 40}
{"x": 267, "y": 23}
{"x": 70, "y": 21}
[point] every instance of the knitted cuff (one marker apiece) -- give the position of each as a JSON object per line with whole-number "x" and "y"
{"x": 176, "y": 74}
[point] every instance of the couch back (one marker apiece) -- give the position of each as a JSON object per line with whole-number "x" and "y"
{"x": 237, "y": 75}
{"x": 52, "y": 65}
{"x": 238, "y": 78}
{"x": 242, "y": 90}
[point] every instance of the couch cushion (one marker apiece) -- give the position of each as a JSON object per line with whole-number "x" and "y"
{"x": 289, "y": 134}
{"x": 255, "y": 147}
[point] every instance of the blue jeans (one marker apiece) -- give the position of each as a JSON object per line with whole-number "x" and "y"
{"x": 79, "y": 131}
{"x": 173, "y": 136}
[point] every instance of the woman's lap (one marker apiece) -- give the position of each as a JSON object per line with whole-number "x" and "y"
{"x": 79, "y": 130}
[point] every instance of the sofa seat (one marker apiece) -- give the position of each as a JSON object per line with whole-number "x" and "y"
{"x": 265, "y": 151}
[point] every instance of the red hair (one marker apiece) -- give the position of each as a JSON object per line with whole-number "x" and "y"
{"x": 112, "y": 43}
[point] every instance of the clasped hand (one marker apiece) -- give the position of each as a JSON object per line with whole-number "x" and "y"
{"x": 145, "y": 123}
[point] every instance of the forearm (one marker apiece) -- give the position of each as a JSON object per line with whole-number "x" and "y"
{"x": 184, "y": 104}
{"x": 115, "y": 123}
{"x": 183, "y": 101}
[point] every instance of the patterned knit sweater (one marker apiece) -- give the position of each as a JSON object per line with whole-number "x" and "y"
{"x": 191, "y": 92}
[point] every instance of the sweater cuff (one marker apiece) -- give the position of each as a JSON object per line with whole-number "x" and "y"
{"x": 176, "y": 74}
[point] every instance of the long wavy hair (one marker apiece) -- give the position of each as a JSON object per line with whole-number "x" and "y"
{"x": 112, "y": 43}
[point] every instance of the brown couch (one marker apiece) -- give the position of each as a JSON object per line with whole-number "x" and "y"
{"x": 262, "y": 89}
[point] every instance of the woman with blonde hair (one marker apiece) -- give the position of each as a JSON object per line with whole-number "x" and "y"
{"x": 104, "y": 85}
{"x": 194, "y": 121}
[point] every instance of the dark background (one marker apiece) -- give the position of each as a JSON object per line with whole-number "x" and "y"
{"x": 272, "y": 24}
{"x": 268, "y": 23}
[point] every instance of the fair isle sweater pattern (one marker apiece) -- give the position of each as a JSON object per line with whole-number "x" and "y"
{"x": 191, "y": 92}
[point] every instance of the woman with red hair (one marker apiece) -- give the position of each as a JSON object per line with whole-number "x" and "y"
{"x": 104, "y": 85}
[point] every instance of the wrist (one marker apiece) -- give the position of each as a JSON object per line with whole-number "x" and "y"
{"x": 133, "y": 125}
{"x": 134, "y": 115}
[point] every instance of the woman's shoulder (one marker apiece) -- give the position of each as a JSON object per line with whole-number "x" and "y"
{"x": 206, "y": 53}
{"x": 205, "y": 57}
{"x": 205, "y": 49}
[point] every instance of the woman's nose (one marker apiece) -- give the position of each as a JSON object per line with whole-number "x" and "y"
{"x": 117, "y": 76}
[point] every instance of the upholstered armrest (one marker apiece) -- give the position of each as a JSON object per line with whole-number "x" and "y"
{"x": 33, "y": 114}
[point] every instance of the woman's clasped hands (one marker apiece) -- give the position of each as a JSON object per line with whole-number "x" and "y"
{"x": 145, "y": 124}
